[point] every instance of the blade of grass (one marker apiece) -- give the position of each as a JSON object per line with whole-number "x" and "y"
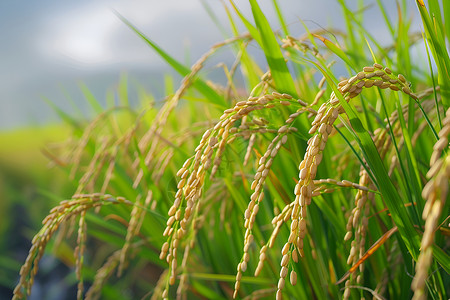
{"x": 412, "y": 166}
{"x": 277, "y": 64}
{"x": 351, "y": 40}
{"x": 368, "y": 253}
{"x": 214, "y": 18}
{"x": 265, "y": 37}
{"x": 387, "y": 21}
{"x": 442, "y": 258}
{"x": 435, "y": 11}
{"x": 439, "y": 50}
{"x": 249, "y": 68}
{"x": 336, "y": 50}
{"x": 65, "y": 117}
{"x": 354, "y": 44}
{"x": 93, "y": 102}
{"x": 197, "y": 83}
{"x": 280, "y": 17}
{"x": 434, "y": 84}
{"x": 446, "y": 10}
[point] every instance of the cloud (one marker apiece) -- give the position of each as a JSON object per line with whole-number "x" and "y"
{"x": 91, "y": 37}
{"x": 81, "y": 37}
{"x": 63, "y": 42}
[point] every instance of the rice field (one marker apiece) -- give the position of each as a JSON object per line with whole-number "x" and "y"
{"x": 292, "y": 180}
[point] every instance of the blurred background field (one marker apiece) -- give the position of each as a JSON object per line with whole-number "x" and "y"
{"x": 50, "y": 48}
{"x": 29, "y": 187}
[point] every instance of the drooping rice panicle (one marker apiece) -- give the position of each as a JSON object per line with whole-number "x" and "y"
{"x": 208, "y": 156}
{"x": 321, "y": 127}
{"x": 133, "y": 228}
{"x": 264, "y": 164}
{"x": 358, "y": 220}
{"x": 161, "y": 118}
{"x": 58, "y": 215}
{"x": 435, "y": 192}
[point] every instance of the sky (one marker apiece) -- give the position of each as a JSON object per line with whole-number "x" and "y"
{"x": 48, "y": 47}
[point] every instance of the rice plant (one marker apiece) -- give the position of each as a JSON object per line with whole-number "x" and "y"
{"x": 300, "y": 183}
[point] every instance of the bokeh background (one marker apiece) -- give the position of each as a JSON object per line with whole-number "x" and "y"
{"x": 49, "y": 48}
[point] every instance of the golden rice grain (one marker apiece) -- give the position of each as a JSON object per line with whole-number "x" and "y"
{"x": 436, "y": 193}
{"x": 401, "y": 78}
{"x": 209, "y": 154}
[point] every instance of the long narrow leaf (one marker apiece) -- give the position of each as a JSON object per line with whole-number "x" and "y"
{"x": 197, "y": 83}
{"x": 336, "y": 50}
{"x": 439, "y": 50}
{"x": 93, "y": 102}
{"x": 277, "y": 64}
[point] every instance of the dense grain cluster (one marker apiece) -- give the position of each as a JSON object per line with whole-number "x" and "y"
{"x": 358, "y": 219}
{"x": 321, "y": 127}
{"x": 264, "y": 164}
{"x": 208, "y": 156}
{"x": 322, "y": 124}
{"x": 60, "y": 214}
{"x": 436, "y": 193}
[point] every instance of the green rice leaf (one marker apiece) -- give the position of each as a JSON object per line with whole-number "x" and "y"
{"x": 197, "y": 83}
{"x": 446, "y": 10}
{"x": 280, "y": 17}
{"x": 438, "y": 48}
{"x": 442, "y": 258}
{"x": 277, "y": 64}
{"x": 250, "y": 27}
{"x": 336, "y": 50}
{"x": 93, "y": 102}
{"x": 249, "y": 67}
